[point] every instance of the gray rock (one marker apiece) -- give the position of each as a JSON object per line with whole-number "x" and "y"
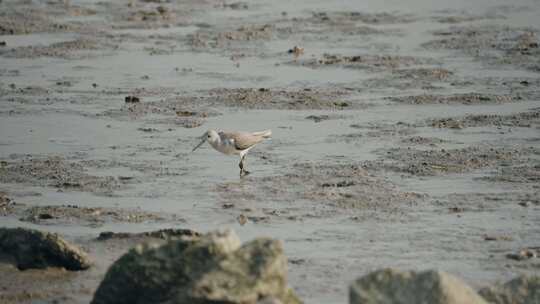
{"x": 521, "y": 290}
{"x": 212, "y": 268}
{"x": 390, "y": 286}
{"x": 37, "y": 249}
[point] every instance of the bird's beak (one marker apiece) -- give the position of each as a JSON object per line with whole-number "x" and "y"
{"x": 200, "y": 144}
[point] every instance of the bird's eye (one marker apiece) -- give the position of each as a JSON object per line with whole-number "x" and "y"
{"x": 208, "y": 135}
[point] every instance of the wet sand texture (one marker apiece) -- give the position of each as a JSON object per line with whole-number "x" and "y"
{"x": 406, "y": 135}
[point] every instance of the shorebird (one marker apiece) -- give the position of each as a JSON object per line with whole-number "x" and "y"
{"x": 232, "y": 143}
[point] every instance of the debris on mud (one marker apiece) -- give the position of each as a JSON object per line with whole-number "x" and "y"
{"x": 165, "y": 234}
{"x": 87, "y": 216}
{"x": 157, "y": 14}
{"x": 432, "y": 74}
{"x": 171, "y": 111}
{"x": 425, "y": 78}
{"x": 299, "y": 99}
{"x": 7, "y": 205}
{"x": 473, "y": 202}
{"x": 523, "y": 119}
{"x": 26, "y": 20}
{"x": 375, "y": 130}
{"x": 199, "y": 269}
{"x": 74, "y": 49}
{"x": 409, "y": 287}
{"x": 35, "y": 249}
{"x": 496, "y": 45}
{"x": 55, "y": 171}
{"x": 452, "y": 17}
{"x": 370, "y": 62}
{"x": 421, "y": 140}
{"x": 465, "y": 98}
{"x": 233, "y": 5}
{"x": 367, "y": 18}
{"x": 435, "y": 162}
{"x": 528, "y": 172}
{"x": 223, "y": 39}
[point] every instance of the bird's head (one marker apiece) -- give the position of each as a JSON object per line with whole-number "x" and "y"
{"x": 210, "y": 136}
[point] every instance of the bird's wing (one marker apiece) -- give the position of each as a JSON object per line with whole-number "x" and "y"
{"x": 241, "y": 140}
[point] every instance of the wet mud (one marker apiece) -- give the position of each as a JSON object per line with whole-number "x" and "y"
{"x": 467, "y": 98}
{"x": 444, "y": 161}
{"x": 491, "y": 44}
{"x": 403, "y": 137}
{"x": 523, "y": 120}
{"x": 56, "y": 172}
{"x": 93, "y": 217}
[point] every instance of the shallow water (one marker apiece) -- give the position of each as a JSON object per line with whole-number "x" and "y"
{"x": 331, "y": 245}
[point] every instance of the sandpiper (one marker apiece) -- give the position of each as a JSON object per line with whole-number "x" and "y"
{"x": 231, "y": 143}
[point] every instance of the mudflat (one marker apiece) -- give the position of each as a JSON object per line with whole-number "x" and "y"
{"x": 406, "y": 134}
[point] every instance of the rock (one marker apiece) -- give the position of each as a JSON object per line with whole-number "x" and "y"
{"x": 36, "y": 249}
{"x": 297, "y": 51}
{"x": 389, "y": 286}
{"x": 242, "y": 219}
{"x": 213, "y": 268}
{"x": 318, "y": 118}
{"x": 132, "y": 99}
{"x": 525, "y": 254}
{"x": 521, "y": 290}
{"x": 488, "y": 237}
{"x": 524, "y": 204}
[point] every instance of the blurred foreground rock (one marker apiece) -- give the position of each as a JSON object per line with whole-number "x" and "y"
{"x": 521, "y": 290}
{"x": 213, "y": 268}
{"x": 390, "y": 286}
{"x": 30, "y": 248}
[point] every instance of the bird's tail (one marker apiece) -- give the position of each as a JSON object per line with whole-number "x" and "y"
{"x": 264, "y": 134}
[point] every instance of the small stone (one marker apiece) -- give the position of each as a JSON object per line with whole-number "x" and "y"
{"x": 497, "y": 238}
{"x": 524, "y": 204}
{"x": 524, "y": 254}
{"x": 242, "y": 219}
{"x": 456, "y": 209}
{"x": 131, "y": 99}
{"x": 297, "y": 51}
{"x": 45, "y": 216}
{"x": 318, "y": 118}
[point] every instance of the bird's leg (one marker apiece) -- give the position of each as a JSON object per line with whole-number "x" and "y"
{"x": 243, "y": 172}
{"x": 241, "y": 165}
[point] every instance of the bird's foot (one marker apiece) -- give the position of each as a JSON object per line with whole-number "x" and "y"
{"x": 244, "y": 173}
